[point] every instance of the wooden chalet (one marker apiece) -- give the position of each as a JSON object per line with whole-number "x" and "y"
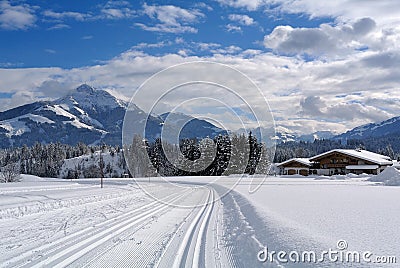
{"x": 343, "y": 161}
{"x": 294, "y": 166}
{"x": 335, "y": 162}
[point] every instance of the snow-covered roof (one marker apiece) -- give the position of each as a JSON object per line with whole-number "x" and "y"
{"x": 304, "y": 161}
{"x": 396, "y": 164}
{"x": 361, "y": 154}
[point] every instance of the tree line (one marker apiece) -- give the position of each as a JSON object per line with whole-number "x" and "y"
{"x": 222, "y": 155}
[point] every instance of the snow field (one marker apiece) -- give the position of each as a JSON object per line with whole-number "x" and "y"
{"x": 122, "y": 226}
{"x": 307, "y": 214}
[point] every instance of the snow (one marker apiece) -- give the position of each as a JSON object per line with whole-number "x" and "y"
{"x": 88, "y": 97}
{"x": 389, "y": 176}
{"x": 76, "y": 123}
{"x": 303, "y": 213}
{"x": 37, "y": 118}
{"x": 88, "y": 160}
{"x": 16, "y": 126}
{"x": 305, "y": 161}
{"x": 396, "y": 164}
{"x": 362, "y": 154}
{"x": 57, "y": 223}
{"x": 57, "y": 109}
{"x": 384, "y": 123}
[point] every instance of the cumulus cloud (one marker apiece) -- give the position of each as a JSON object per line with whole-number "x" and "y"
{"x": 241, "y": 19}
{"x": 383, "y": 11}
{"x": 312, "y": 105}
{"x": 324, "y": 40}
{"x": 321, "y": 81}
{"x": 170, "y": 19}
{"x": 117, "y": 10}
{"x": 233, "y": 28}
{"x": 247, "y": 4}
{"x": 339, "y": 110}
{"x": 16, "y": 17}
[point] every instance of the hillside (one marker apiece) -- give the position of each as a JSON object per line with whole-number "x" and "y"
{"x": 84, "y": 115}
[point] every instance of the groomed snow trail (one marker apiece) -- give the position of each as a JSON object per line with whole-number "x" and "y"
{"x": 80, "y": 225}
{"x": 69, "y": 224}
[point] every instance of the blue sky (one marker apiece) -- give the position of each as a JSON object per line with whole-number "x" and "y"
{"x": 73, "y": 34}
{"x": 322, "y": 65}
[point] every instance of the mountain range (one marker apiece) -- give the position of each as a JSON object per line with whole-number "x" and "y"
{"x": 385, "y": 128}
{"x": 95, "y": 116}
{"x": 86, "y": 115}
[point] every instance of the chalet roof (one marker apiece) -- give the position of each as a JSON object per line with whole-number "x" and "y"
{"x": 304, "y": 161}
{"x": 360, "y": 154}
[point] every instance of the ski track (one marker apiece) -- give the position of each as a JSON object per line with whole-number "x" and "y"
{"x": 41, "y": 202}
{"x": 182, "y": 256}
{"x": 86, "y": 239}
{"x": 156, "y": 234}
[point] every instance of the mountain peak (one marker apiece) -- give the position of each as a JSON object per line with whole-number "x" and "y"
{"x": 85, "y": 88}
{"x": 87, "y": 97}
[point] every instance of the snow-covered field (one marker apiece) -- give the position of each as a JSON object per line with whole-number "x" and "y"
{"x": 59, "y": 223}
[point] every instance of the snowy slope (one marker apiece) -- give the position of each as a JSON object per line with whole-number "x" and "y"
{"x": 84, "y": 115}
{"x": 387, "y": 127}
{"x": 88, "y": 165}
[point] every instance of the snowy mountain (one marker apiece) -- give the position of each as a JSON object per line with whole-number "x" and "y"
{"x": 84, "y": 115}
{"x": 283, "y": 135}
{"x": 390, "y": 127}
{"x": 192, "y": 127}
{"x": 316, "y": 135}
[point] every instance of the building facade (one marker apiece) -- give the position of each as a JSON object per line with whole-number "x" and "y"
{"x": 337, "y": 162}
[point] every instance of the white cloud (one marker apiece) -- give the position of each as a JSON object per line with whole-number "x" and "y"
{"x": 233, "y": 28}
{"x": 66, "y": 15}
{"x": 167, "y": 28}
{"x": 59, "y": 26}
{"x": 16, "y": 17}
{"x": 151, "y": 45}
{"x": 11, "y": 64}
{"x": 324, "y": 40}
{"x": 207, "y": 46}
{"x": 348, "y": 111}
{"x": 383, "y": 11}
{"x": 179, "y": 40}
{"x": 117, "y": 10}
{"x": 203, "y": 6}
{"x": 50, "y": 51}
{"x": 241, "y": 19}
{"x": 226, "y": 50}
{"x": 171, "y": 19}
{"x": 87, "y": 37}
{"x": 247, "y": 4}
{"x": 364, "y": 73}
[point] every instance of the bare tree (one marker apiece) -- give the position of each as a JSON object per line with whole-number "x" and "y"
{"x": 10, "y": 173}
